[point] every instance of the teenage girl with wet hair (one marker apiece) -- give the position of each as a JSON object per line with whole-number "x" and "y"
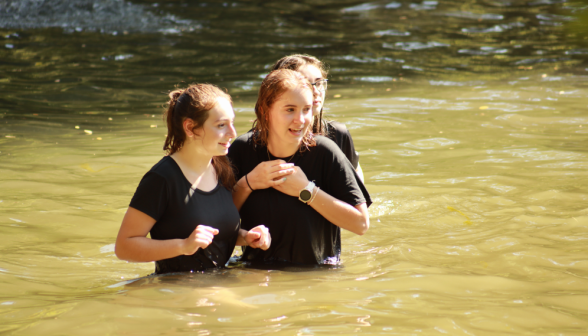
{"x": 301, "y": 186}
{"x": 315, "y": 71}
{"x": 184, "y": 202}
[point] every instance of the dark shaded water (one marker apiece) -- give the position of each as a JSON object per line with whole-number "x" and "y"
{"x": 79, "y": 57}
{"x": 469, "y": 116}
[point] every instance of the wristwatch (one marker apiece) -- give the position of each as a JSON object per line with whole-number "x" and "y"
{"x": 306, "y": 193}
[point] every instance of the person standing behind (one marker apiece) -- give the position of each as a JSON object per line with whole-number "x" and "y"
{"x": 185, "y": 200}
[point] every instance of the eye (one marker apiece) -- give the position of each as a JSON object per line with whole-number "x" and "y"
{"x": 290, "y": 109}
{"x": 221, "y": 125}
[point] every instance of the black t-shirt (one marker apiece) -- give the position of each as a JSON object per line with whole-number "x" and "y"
{"x": 165, "y": 195}
{"x": 299, "y": 233}
{"x": 337, "y": 132}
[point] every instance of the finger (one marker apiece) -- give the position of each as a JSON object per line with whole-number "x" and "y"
{"x": 253, "y": 235}
{"x": 203, "y": 243}
{"x": 285, "y": 166}
{"x": 278, "y": 181}
{"x": 204, "y": 228}
{"x": 208, "y": 234}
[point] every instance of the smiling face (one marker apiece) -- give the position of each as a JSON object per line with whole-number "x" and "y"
{"x": 217, "y": 132}
{"x": 290, "y": 117}
{"x": 312, "y": 73}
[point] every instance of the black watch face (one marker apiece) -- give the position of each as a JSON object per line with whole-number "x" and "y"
{"x": 305, "y": 195}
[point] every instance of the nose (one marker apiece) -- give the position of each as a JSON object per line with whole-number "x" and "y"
{"x": 232, "y": 131}
{"x": 300, "y": 117}
{"x": 315, "y": 91}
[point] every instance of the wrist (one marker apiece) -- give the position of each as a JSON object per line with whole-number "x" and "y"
{"x": 314, "y": 193}
{"x": 248, "y": 183}
{"x": 305, "y": 194}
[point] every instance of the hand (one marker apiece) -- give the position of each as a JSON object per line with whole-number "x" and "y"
{"x": 294, "y": 183}
{"x": 269, "y": 173}
{"x": 259, "y": 237}
{"x": 201, "y": 237}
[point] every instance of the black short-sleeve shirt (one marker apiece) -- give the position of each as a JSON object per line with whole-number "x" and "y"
{"x": 299, "y": 233}
{"x": 337, "y": 132}
{"x": 167, "y": 196}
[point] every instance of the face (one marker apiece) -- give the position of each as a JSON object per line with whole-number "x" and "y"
{"x": 290, "y": 117}
{"x": 312, "y": 73}
{"x": 218, "y": 130}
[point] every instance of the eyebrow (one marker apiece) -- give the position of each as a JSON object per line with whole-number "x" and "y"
{"x": 223, "y": 119}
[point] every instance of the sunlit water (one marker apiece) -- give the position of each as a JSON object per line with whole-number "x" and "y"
{"x": 469, "y": 116}
{"x": 479, "y": 226}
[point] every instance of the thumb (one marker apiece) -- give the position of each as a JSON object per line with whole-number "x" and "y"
{"x": 254, "y": 234}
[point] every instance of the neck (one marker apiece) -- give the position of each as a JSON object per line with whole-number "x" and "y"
{"x": 281, "y": 150}
{"x": 189, "y": 157}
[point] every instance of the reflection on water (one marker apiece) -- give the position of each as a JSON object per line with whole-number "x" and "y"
{"x": 475, "y": 229}
{"x": 469, "y": 118}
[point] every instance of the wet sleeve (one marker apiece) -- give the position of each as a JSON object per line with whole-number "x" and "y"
{"x": 151, "y": 196}
{"x": 343, "y": 182}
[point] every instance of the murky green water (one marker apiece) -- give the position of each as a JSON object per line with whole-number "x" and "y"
{"x": 470, "y": 119}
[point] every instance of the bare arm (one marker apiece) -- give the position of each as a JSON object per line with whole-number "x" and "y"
{"x": 346, "y": 216}
{"x": 132, "y": 243}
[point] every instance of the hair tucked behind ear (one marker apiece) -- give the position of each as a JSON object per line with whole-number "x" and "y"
{"x": 194, "y": 102}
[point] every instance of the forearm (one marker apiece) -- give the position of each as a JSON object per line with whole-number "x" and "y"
{"x": 344, "y": 215}
{"x": 241, "y": 238}
{"x": 143, "y": 249}
{"x": 240, "y": 193}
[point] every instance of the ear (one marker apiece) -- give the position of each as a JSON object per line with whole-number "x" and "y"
{"x": 188, "y": 126}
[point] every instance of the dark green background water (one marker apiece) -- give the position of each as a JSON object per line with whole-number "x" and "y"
{"x": 81, "y": 56}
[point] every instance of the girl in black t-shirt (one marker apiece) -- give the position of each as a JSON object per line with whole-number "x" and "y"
{"x": 275, "y": 164}
{"x": 184, "y": 202}
{"x": 315, "y": 71}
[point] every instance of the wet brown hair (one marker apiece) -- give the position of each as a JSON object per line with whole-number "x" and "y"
{"x": 295, "y": 62}
{"x": 194, "y": 102}
{"x": 275, "y": 84}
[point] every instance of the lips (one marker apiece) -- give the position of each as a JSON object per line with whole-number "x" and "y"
{"x": 296, "y": 131}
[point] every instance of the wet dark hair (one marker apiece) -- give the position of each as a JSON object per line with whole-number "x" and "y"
{"x": 275, "y": 84}
{"x": 194, "y": 102}
{"x": 295, "y": 62}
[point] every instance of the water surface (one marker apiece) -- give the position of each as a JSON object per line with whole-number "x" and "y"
{"x": 473, "y": 148}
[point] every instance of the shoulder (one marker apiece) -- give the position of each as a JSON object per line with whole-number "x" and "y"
{"x": 242, "y": 145}
{"x": 328, "y": 148}
{"x": 244, "y": 138}
{"x": 324, "y": 143}
{"x": 337, "y": 127}
{"x": 165, "y": 168}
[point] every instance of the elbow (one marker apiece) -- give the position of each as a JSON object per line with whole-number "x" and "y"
{"x": 363, "y": 227}
{"x": 120, "y": 252}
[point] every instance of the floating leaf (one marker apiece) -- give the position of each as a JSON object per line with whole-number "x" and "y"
{"x": 467, "y": 222}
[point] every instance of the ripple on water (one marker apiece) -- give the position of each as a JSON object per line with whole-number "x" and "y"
{"x": 430, "y": 143}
